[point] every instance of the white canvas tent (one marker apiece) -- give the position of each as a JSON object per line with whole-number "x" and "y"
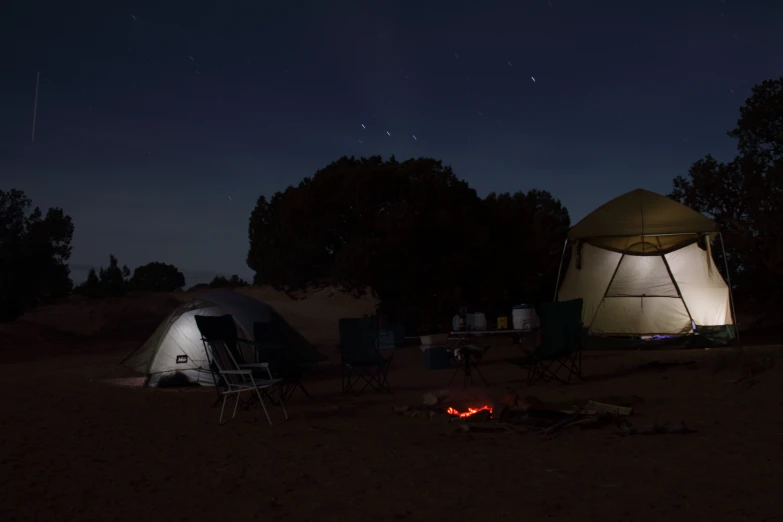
{"x": 643, "y": 265}
{"x": 176, "y": 348}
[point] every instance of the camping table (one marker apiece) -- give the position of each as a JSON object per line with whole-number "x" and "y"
{"x": 469, "y": 356}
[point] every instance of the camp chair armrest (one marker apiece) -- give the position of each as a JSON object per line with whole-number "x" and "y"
{"x": 262, "y": 366}
{"x": 237, "y": 372}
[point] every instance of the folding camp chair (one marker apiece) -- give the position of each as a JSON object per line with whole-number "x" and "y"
{"x": 561, "y": 346}
{"x": 361, "y": 360}
{"x": 219, "y": 336}
{"x": 273, "y": 346}
{"x": 237, "y": 379}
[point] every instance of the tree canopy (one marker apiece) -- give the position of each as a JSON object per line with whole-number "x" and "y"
{"x": 115, "y": 281}
{"x": 157, "y": 277}
{"x": 745, "y": 195}
{"x": 34, "y": 252}
{"x": 414, "y": 232}
{"x": 234, "y": 281}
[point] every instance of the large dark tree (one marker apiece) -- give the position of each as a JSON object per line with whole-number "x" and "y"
{"x": 157, "y": 277}
{"x": 745, "y": 195}
{"x": 411, "y": 230}
{"x": 523, "y": 241}
{"x": 34, "y": 251}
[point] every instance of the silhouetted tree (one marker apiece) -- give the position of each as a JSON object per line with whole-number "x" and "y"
{"x": 34, "y": 250}
{"x": 522, "y": 239}
{"x": 112, "y": 280}
{"x": 745, "y": 195}
{"x": 412, "y": 231}
{"x": 234, "y": 281}
{"x": 157, "y": 277}
{"x": 107, "y": 282}
{"x": 91, "y": 287}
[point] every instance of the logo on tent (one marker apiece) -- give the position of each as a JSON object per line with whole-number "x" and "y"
{"x": 182, "y": 359}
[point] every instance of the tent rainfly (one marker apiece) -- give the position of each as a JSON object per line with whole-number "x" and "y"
{"x": 176, "y": 348}
{"x": 643, "y": 265}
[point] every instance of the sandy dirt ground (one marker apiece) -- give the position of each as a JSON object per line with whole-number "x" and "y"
{"x": 81, "y": 441}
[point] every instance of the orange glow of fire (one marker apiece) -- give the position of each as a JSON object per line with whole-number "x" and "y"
{"x": 471, "y": 411}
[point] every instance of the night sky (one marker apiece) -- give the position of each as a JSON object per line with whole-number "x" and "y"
{"x": 158, "y": 127}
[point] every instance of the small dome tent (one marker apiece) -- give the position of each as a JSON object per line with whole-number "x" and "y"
{"x": 643, "y": 265}
{"x": 175, "y": 348}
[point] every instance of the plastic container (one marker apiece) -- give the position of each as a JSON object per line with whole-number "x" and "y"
{"x": 470, "y": 321}
{"x": 524, "y": 317}
{"x": 456, "y": 323}
{"x": 480, "y": 322}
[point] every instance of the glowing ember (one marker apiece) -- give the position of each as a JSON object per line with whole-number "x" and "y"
{"x": 471, "y": 411}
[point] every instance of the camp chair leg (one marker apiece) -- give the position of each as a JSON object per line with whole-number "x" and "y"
{"x": 287, "y": 390}
{"x": 304, "y": 390}
{"x": 266, "y": 412}
{"x": 292, "y": 386}
{"x": 282, "y": 405}
{"x": 385, "y": 382}
{"x": 467, "y": 369}
{"x": 346, "y": 387}
{"x": 377, "y": 379}
{"x": 474, "y": 367}
{"x": 223, "y": 408}
{"x": 456, "y": 372}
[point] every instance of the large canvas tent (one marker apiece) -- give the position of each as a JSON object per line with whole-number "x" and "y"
{"x": 175, "y": 348}
{"x": 643, "y": 265}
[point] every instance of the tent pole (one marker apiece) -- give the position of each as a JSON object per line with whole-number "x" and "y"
{"x": 731, "y": 291}
{"x": 677, "y": 287}
{"x": 606, "y": 292}
{"x": 560, "y": 269}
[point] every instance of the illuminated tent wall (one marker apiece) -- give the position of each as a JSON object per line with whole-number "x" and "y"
{"x": 643, "y": 265}
{"x": 176, "y": 347}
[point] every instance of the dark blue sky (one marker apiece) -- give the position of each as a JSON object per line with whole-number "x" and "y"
{"x": 158, "y": 127}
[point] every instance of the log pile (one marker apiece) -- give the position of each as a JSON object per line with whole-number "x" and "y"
{"x": 532, "y": 416}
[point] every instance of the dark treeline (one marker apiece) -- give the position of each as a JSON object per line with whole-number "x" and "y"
{"x": 152, "y": 277}
{"x": 421, "y": 237}
{"x": 415, "y": 233}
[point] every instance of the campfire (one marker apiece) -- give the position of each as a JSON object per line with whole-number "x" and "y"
{"x": 470, "y": 411}
{"x": 512, "y": 415}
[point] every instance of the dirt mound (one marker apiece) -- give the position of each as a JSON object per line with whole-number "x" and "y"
{"x": 77, "y": 321}
{"x": 61, "y": 326}
{"x": 85, "y": 317}
{"x": 312, "y": 312}
{"x": 315, "y": 312}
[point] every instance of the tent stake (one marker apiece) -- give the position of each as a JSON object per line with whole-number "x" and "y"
{"x": 559, "y": 270}
{"x": 731, "y": 291}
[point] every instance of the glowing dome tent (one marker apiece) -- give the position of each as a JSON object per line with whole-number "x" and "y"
{"x": 643, "y": 265}
{"x": 175, "y": 348}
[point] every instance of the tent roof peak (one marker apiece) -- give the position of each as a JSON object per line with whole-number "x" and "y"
{"x": 642, "y": 212}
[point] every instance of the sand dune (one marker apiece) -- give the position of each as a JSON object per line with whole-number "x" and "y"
{"x": 66, "y": 326}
